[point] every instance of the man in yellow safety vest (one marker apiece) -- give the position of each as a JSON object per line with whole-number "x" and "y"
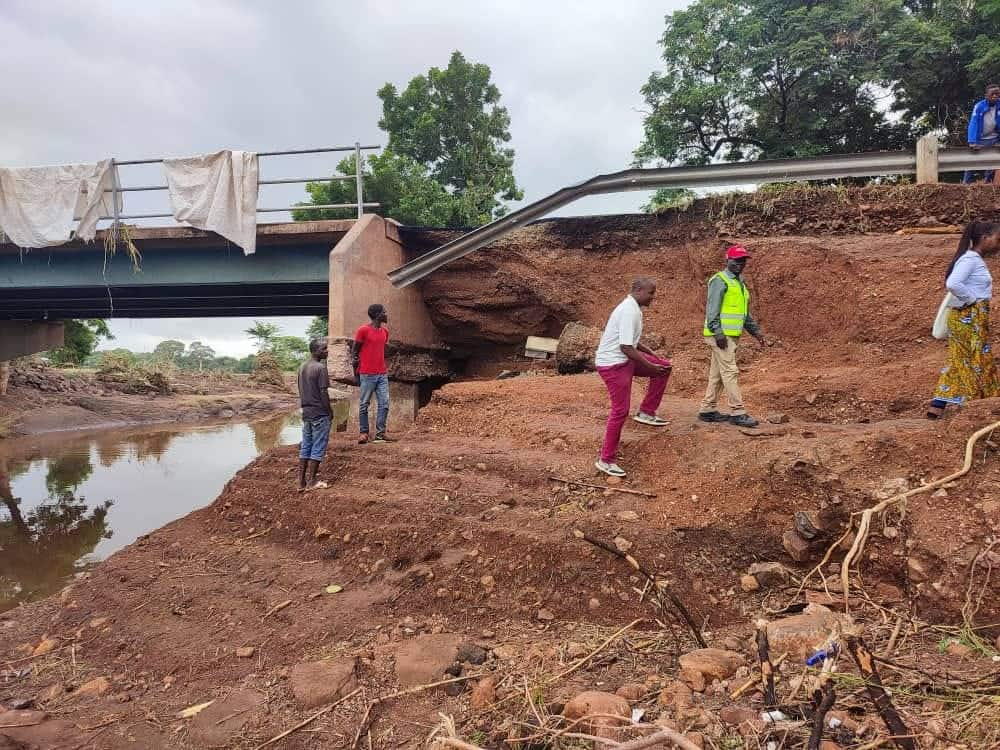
{"x": 727, "y": 315}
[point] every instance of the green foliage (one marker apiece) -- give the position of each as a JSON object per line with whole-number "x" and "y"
{"x": 169, "y": 350}
{"x": 665, "y": 199}
{"x": 770, "y": 79}
{"x": 262, "y": 334}
{"x": 287, "y": 351}
{"x": 446, "y": 162}
{"x": 318, "y": 328}
{"x": 940, "y": 60}
{"x": 199, "y": 356}
{"x": 81, "y": 338}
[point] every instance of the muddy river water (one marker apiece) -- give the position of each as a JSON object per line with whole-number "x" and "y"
{"x": 69, "y": 500}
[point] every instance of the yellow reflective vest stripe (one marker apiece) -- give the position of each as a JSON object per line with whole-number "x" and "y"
{"x": 735, "y": 305}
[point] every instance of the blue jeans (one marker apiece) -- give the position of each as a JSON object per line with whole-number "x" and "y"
{"x": 315, "y": 436}
{"x": 988, "y": 174}
{"x": 379, "y": 386}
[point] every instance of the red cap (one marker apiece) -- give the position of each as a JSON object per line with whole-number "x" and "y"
{"x": 736, "y": 251}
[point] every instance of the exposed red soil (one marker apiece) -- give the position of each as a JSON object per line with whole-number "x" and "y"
{"x": 459, "y": 528}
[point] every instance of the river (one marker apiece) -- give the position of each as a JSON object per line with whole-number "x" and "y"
{"x": 67, "y": 500}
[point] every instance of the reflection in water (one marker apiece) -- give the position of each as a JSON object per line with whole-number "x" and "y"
{"x": 136, "y": 481}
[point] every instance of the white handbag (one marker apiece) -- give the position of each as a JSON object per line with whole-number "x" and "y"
{"x": 940, "y": 328}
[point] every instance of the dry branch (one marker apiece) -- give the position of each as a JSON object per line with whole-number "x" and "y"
{"x": 603, "y": 487}
{"x": 766, "y": 668}
{"x": 825, "y": 697}
{"x": 658, "y": 584}
{"x": 876, "y": 691}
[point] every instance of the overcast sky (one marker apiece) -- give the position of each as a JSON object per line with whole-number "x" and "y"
{"x": 155, "y": 78}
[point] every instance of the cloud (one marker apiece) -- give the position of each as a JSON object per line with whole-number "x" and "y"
{"x": 156, "y": 78}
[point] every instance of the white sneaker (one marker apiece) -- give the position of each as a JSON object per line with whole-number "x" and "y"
{"x": 612, "y": 470}
{"x": 650, "y": 419}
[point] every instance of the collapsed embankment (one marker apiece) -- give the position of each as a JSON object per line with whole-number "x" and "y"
{"x": 45, "y": 399}
{"x": 459, "y": 534}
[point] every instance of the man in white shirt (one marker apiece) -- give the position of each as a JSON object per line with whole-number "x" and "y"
{"x": 620, "y": 357}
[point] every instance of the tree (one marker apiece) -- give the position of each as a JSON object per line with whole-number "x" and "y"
{"x": 199, "y": 355}
{"x": 667, "y": 198}
{"x": 771, "y": 78}
{"x": 319, "y": 327}
{"x": 169, "y": 350}
{"x": 940, "y": 60}
{"x": 262, "y": 334}
{"x": 80, "y": 339}
{"x": 446, "y": 162}
{"x": 289, "y": 351}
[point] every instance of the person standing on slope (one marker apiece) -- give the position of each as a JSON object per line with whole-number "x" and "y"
{"x": 368, "y": 355}
{"x": 620, "y": 357}
{"x": 727, "y": 315}
{"x": 317, "y": 414}
{"x": 971, "y": 371}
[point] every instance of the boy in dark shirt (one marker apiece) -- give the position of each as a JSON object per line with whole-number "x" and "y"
{"x": 317, "y": 415}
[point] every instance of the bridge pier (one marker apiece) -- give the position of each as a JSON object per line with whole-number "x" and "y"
{"x": 19, "y": 338}
{"x": 417, "y": 357}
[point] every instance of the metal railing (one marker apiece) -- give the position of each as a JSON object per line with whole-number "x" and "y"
{"x": 118, "y": 191}
{"x": 711, "y": 175}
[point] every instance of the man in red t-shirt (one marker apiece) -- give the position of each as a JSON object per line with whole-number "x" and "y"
{"x": 368, "y": 355}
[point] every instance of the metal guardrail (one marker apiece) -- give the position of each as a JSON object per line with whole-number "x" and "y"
{"x": 357, "y": 177}
{"x": 712, "y": 175}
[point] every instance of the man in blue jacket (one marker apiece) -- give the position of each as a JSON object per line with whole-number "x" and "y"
{"x": 983, "y": 128}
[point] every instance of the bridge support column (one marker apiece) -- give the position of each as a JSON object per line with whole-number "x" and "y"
{"x": 416, "y": 356}
{"x": 21, "y": 338}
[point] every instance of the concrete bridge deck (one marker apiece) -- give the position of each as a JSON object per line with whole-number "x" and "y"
{"x": 184, "y": 272}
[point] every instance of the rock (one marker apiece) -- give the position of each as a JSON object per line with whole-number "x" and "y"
{"x": 484, "y": 694}
{"x": 426, "y": 658}
{"x": 777, "y": 417}
{"x": 470, "y": 653}
{"x": 696, "y": 738}
{"x": 890, "y": 532}
{"x": 322, "y": 532}
{"x": 613, "y": 481}
{"x": 320, "y": 682}
{"x": 11, "y": 719}
{"x": 46, "y": 645}
{"x": 712, "y": 663}
{"x": 796, "y": 547}
{"x": 622, "y": 544}
{"x": 481, "y": 467}
{"x": 488, "y": 582}
{"x": 93, "y": 688}
{"x": 748, "y": 583}
{"x": 736, "y": 715}
{"x": 99, "y": 622}
{"x": 576, "y": 348}
{"x": 218, "y": 724}
{"x": 694, "y": 680}
{"x": 594, "y": 604}
{"x": 800, "y": 635}
{"x": 545, "y": 615}
{"x": 811, "y": 398}
{"x": 245, "y": 652}
{"x": 632, "y": 692}
{"x": 678, "y": 695}
{"x": 454, "y": 670}
{"x": 455, "y": 689}
{"x": 599, "y": 712}
{"x": 916, "y": 569}
{"x": 959, "y": 649}
{"x": 51, "y": 692}
{"x": 627, "y": 516}
{"x": 835, "y": 719}
{"x": 769, "y": 573}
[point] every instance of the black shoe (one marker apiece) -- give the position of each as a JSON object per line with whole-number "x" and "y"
{"x": 712, "y": 416}
{"x": 743, "y": 420}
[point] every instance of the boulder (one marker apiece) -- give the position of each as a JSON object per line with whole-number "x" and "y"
{"x": 425, "y": 658}
{"x": 769, "y": 573}
{"x": 218, "y": 724}
{"x": 797, "y": 548}
{"x": 632, "y": 692}
{"x": 712, "y": 663}
{"x": 600, "y": 713}
{"x": 484, "y": 694}
{"x": 677, "y": 695}
{"x": 576, "y": 348}
{"x": 800, "y": 635}
{"x": 320, "y": 682}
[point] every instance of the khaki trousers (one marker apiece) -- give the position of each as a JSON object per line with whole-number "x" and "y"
{"x": 723, "y": 376}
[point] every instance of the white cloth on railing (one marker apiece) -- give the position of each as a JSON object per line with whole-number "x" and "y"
{"x": 216, "y": 192}
{"x": 43, "y": 206}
